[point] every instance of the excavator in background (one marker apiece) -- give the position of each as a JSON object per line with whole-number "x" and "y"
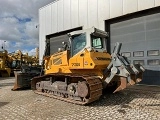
{"x": 10, "y": 62}
{"x": 82, "y": 68}
{"x": 16, "y": 61}
{"x": 5, "y": 60}
{"x": 19, "y": 59}
{"x": 19, "y": 65}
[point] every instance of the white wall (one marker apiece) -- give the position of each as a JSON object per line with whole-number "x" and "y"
{"x": 67, "y": 14}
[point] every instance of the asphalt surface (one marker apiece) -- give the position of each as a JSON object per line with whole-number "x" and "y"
{"x": 136, "y": 103}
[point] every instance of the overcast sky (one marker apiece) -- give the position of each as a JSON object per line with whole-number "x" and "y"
{"x": 18, "y": 20}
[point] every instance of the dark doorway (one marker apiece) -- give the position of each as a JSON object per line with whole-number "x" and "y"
{"x": 55, "y": 40}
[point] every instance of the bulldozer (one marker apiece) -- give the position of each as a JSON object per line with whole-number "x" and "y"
{"x": 5, "y": 60}
{"x": 24, "y": 68}
{"x": 82, "y": 68}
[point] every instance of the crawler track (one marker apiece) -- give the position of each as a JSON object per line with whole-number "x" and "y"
{"x": 94, "y": 85}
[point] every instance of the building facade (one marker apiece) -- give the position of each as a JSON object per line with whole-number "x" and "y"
{"x": 135, "y": 23}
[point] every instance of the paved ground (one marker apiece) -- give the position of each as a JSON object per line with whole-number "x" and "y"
{"x": 136, "y": 103}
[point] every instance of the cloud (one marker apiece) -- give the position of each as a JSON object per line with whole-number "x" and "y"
{"x": 18, "y": 20}
{"x": 32, "y": 52}
{"x": 31, "y": 30}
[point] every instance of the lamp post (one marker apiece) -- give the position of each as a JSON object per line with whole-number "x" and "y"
{"x": 4, "y": 45}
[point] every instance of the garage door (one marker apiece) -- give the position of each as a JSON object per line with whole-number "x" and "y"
{"x": 140, "y": 39}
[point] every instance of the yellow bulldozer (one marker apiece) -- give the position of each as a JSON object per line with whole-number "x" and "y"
{"x": 82, "y": 68}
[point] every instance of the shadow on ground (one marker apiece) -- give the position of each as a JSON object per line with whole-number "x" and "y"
{"x": 3, "y": 103}
{"x": 126, "y": 96}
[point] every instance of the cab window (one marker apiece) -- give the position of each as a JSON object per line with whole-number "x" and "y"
{"x": 78, "y": 43}
{"x": 96, "y": 42}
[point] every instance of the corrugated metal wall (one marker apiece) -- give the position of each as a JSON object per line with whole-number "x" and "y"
{"x": 67, "y": 14}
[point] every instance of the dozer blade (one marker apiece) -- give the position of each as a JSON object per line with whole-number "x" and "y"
{"x": 123, "y": 84}
{"x": 23, "y": 77}
{"x": 22, "y": 80}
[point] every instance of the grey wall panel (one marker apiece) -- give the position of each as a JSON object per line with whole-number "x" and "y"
{"x": 153, "y": 25}
{"x": 152, "y": 35}
{"x": 130, "y": 22}
{"x": 130, "y": 6}
{"x": 153, "y": 44}
{"x": 145, "y": 4}
{"x": 157, "y": 2}
{"x": 42, "y": 34}
{"x": 60, "y": 15}
{"x": 92, "y": 13}
{"x": 67, "y": 14}
{"x": 153, "y": 22}
{"x": 128, "y": 28}
{"x": 130, "y": 46}
{"x": 128, "y": 38}
{"x": 116, "y": 8}
{"x": 54, "y": 12}
{"x": 48, "y": 20}
{"x": 74, "y": 13}
{"x": 83, "y": 12}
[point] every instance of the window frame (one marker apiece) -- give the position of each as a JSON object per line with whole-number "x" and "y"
{"x": 73, "y": 42}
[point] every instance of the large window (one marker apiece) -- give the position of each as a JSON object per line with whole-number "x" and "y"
{"x": 78, "y": 42}
{"x": 97, "y": 42}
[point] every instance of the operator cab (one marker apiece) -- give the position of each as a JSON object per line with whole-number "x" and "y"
{"x": 15, "y": 64}
{"x": 91, "y": 39}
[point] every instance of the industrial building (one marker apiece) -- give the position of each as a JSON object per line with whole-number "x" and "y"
{"x": 134, "y": 23}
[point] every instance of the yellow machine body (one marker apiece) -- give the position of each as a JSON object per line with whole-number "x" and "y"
{"x": 5, "y": 71}
{"x": 87, "y": 62}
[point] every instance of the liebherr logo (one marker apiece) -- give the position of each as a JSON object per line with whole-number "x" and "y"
{"x": 102, "y": 58}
